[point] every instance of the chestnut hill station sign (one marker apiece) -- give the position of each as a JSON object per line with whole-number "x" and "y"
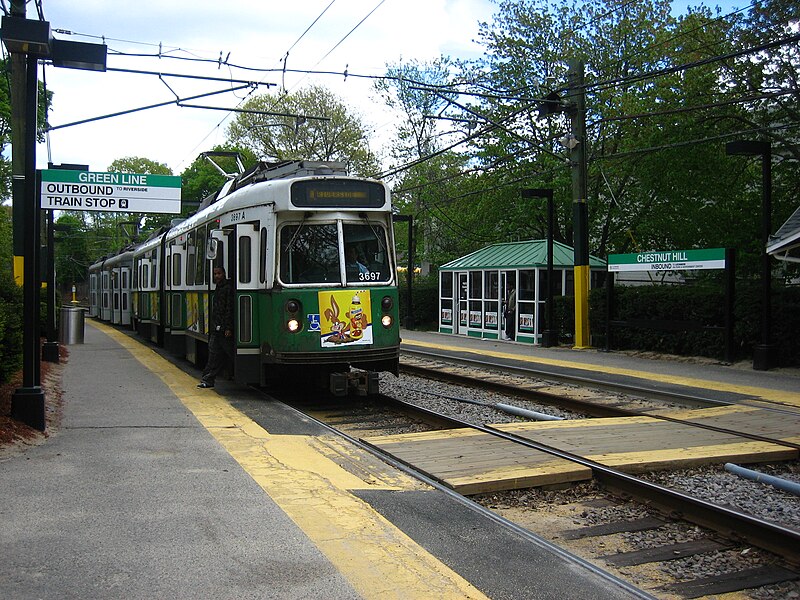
{"x": 63, "y": 189}
{"x": 668, "y": 260}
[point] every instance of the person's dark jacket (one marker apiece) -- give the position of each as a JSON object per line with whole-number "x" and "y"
{"x": 222, "y": 307}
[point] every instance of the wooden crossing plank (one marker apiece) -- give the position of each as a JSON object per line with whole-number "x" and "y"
{"x": 637, "y": 444}
{"x": 765, "y": 423}
{"x": 471, "y": 461}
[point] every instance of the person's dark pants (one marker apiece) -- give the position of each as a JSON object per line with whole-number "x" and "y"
{"x": 511, "y": 323}
{"x": 220, "y": 353}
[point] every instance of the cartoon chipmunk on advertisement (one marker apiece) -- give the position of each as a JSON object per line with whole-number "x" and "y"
{"x": 338, "y": 327}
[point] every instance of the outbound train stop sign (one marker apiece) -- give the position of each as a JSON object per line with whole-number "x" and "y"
{"x": 110, "y": 192}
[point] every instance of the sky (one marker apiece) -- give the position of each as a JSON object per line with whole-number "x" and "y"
{"x": 255, "y": 33}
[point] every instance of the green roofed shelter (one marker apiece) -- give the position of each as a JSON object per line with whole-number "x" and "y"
{"x": 474, "y": 290}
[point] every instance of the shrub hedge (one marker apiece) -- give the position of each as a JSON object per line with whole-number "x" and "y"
{"x": 698, "y": 302}
{"x": 10, "y": 326}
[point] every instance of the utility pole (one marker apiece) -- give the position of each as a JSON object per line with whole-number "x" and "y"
{"x": 580, "y": 211}
{"x": 28, "y": 401}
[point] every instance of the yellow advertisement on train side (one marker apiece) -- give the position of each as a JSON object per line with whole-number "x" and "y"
{"x": 344, "y": 318}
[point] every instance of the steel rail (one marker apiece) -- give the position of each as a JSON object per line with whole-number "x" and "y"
{"x": 426, "y": 478}
{"x": 731, "y": 523}
{"x": 588, "y": 406}
{"x": 639, "y": 390}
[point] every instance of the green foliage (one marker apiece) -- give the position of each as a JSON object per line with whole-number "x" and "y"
{"x": 659, "y": 108}
{"x": 698, "y": 303}
{"x": 75, "y": 249}
{"x": 10, "y": 305}
{"x": 424, "y": 302}
{"x": 202, "y": 179}
{"x": 340, "y": 137}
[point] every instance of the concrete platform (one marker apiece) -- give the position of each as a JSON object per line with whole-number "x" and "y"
{"x": 153, "y": 488}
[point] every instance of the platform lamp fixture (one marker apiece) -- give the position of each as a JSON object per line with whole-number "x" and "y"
{"x": 33, "y": 39}
{"x": 763, "y": 353}
{"x": 550, "y": 334}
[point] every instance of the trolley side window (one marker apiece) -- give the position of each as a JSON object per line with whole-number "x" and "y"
{"x": 176, "y": 269}
{"x": 190, "y": 258}
{"x": 201, "y": 262}
{"x": 245, "y": 260}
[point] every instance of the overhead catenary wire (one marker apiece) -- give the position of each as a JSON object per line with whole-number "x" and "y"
{"x": 349, "y": 74}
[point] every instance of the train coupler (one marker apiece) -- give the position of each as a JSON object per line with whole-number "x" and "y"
{"x": 361, "y": 383}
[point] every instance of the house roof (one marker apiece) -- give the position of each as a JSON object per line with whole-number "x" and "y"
{"x": 518, "y": 255}
{"x": 786, "y": 238}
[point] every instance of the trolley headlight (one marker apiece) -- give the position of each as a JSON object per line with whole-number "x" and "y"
{"x": 386, "y": 321}
{"x": 292, "y": 306}
{"x": 293, "y": 325}
{"x": 387, "y": 303}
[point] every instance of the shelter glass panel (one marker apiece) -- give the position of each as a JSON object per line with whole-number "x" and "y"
{"x": 527, "y": 285}
{"x": 447, "y": 284}
{"x": 446, "y": 315}
{"x": 475, "y": 285}
{"x": 492, "y": 284}
{"x": 475, "y": 314}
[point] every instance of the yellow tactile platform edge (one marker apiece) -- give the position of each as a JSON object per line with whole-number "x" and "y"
{"x": 376, "y": 558}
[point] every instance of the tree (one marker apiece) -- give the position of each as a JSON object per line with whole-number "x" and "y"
{"x": 419, "y": 93}
{"x": 147, "y": 222}
{"x": 659, "y": 108}
{"x": 72, "y": 249}
{"x": 310, "y": 124}
{"x": 201, "y": 178}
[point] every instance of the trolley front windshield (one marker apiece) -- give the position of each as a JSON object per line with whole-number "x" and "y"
{"x": 334, "y": 253}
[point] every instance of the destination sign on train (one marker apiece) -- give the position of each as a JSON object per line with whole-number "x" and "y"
{"x": 111, "y": 192}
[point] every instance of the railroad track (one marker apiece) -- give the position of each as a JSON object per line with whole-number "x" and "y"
{"x": 663, "y": 507}
{"x": 730, "y": 530}
{"x": 412, "y": 358}
{"x": 573, "y": 393}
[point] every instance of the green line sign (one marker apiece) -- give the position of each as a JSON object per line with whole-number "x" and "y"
{"x": 668, "y": 260}
{"x": 63, "y": 189}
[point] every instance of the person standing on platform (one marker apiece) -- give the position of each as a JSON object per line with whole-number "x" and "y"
{"x": 511, "y": 312}
{"x": 220, "y": 340}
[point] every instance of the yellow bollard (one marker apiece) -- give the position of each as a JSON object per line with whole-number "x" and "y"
{"x": 74, "y": 299}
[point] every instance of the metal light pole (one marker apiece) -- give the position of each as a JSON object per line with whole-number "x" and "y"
{"x": 410, "y": 273}
{"x": 763, "y": 353}
{"x": 549, "y": 335}
{"x": 31, "y": 40}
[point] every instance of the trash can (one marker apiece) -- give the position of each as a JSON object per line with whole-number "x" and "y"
{"x": 71, "y": 329}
